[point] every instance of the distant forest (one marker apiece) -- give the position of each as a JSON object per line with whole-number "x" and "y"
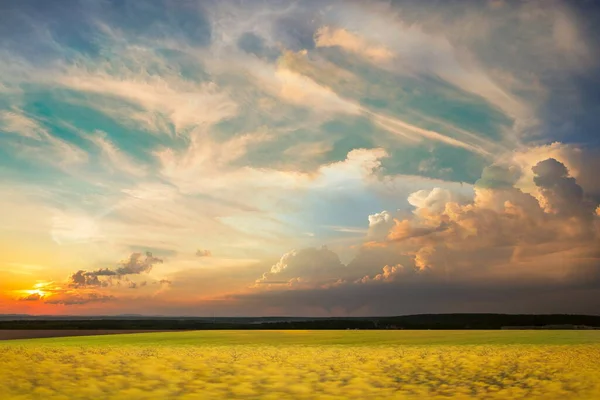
{"x": 425, "y": 321}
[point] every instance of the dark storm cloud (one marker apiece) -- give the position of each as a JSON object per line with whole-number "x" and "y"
{"x": 419, "y": 295}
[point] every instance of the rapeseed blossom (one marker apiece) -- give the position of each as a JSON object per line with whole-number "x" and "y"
{"x": 300, "y": 372}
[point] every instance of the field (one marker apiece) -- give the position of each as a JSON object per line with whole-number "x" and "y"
{"x": 9, "y": 334}
{"x": 305, "y": 365}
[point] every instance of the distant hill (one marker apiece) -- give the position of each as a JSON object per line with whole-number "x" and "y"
{"x": 423, "y": 321}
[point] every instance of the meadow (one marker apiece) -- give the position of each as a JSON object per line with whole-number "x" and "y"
{"x": 305, "y": 365}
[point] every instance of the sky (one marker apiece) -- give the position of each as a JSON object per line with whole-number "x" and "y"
{"x": 299, "y": 158}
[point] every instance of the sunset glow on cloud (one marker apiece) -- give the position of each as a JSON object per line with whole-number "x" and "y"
{"x": 299, "y": 158}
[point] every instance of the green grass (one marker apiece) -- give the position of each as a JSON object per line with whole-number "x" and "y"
{"x": 319, "y": 338}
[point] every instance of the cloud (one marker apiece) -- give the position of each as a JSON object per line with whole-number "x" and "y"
{"x": 115, "y": 158}
{"x": 303, "y": 91}
{"x": 327, "y": 36}
{"x": 39, "y": 144}
{"x": 434, "y": 200}
{"x": 296, "y": 88}
{"x": 428, "y": 50}
{"x": 450, "y": 243}
{"x": 82, "y": 279}
{"x": 17, "y": 123}
{"x": 418, "y": 295}
{"x": 581, "y": 162}
{"x": 379, "y": 225}
{"x": 503, "y": 230}
{"x": 246, "y": 205}
{"x": 134, "y": 265}
{"x": 74, "y": 228}
{"x": 310, "y": 265}
{"x": 346, "y": 229}
{"x": 568, "y": 38}
{"x": 69, "y": 299}
{"x": 390, "y": 273}
{"x": 194, "y": 169}
{"x": 410, "y": 133}
{"x": 561, "y": 193}
{"x": 183, "y": 103}
{"x": 31, "y": 297}
{"x": 404, "y": 229}
{"x": 423, "y": 257}
{"x": 203, "y": 253}
{"x": 84, "y": 287}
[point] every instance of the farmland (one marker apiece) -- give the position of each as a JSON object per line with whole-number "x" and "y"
{"x": 305, "y": 365}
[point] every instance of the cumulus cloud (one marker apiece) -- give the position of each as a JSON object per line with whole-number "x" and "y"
{"x": 387, "y": 275}
{"x": 404, "y": 229}
{"x": 134, "y": 265}
{"x": 503, "y": 230}
{"x": 582, "y": 164}
{"x": 137, "y": 265}
{"x": 450, "y": 244}
{"x": 434, "y": 200}
{"x": 81, "y": 279}
{"x": 561, "y": 193}
{"x": 422, "y": 257}
{"x": 392, "y": 273}
{"x": 379, "y": 225}
{"x": 310, "y": 265}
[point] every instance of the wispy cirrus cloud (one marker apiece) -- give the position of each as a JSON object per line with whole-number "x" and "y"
{"x": 39, "y": 143}
{"x": 327, "y": 37}
{"x": 115, "y": 158}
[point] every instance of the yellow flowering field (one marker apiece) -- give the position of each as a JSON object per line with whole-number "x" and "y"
{"x": 53, "y": 370}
